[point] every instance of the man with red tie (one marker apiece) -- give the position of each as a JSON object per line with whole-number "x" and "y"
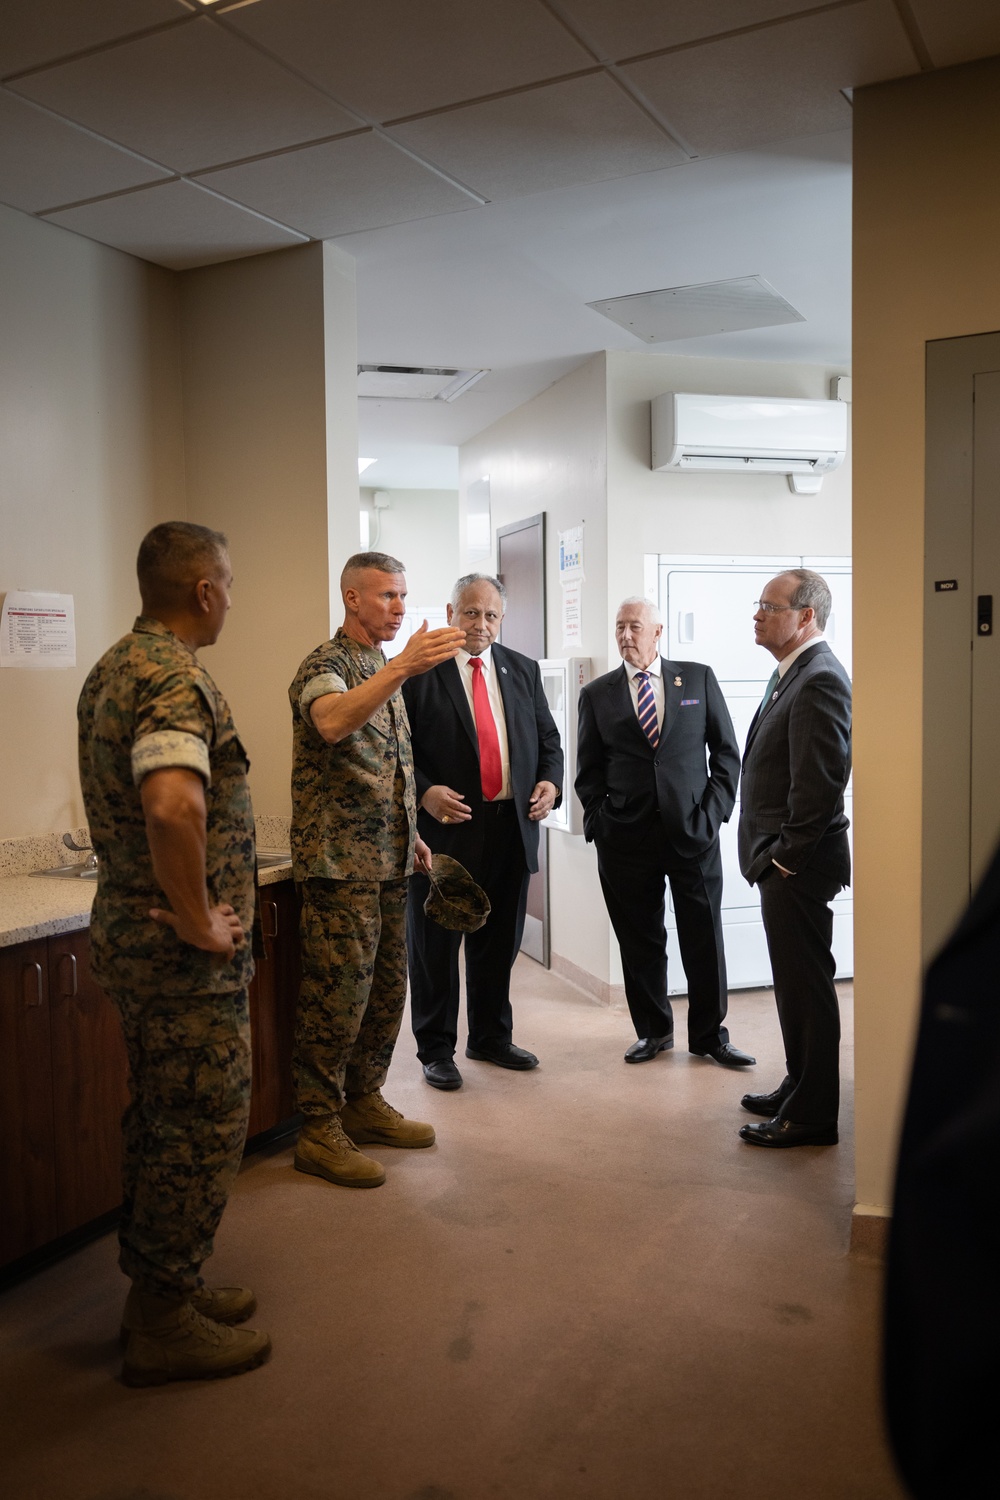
{"x": 488, "y": 768}
{"x": 657, "y": 766}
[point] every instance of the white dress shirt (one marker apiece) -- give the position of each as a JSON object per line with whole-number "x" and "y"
{"x": 655, "y": 682}
{"x": 491, "y": 678}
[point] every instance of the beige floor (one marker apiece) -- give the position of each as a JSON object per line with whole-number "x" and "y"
{"x": 589, "y": 1288}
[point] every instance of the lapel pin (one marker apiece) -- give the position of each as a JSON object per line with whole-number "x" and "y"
{"x": 504, "y": 671}
{"x": 677, "y": 682}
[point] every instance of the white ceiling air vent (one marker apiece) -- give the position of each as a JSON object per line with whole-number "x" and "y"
{"x": 414, "y": 382}
{"x": 691, "y": 312}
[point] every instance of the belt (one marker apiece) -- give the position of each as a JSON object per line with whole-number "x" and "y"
{"x": 501, "y": 809}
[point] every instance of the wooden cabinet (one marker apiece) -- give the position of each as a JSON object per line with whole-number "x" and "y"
{"x": 273, "y": 996}
{"x": 63, "y": 1076}
{"x": 62, "y": 1091}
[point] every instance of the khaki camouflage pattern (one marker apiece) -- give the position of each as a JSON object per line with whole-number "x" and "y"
{"x": 353, "y": 803}
{"x": 150, "y": 704}
{"x": 353, "y": 938}
{"x": 189, "y": 1058}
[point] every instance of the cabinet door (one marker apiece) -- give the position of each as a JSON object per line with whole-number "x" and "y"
{"x": 90, "y": 1088}
{"x": 273, "y": 997}
{"x": 27, "y": 1163}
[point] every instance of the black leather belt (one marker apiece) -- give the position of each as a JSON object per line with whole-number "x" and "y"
{"x": 502, "y": 809}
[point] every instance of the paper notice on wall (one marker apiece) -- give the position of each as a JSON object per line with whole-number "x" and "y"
{"x": 37, "y": 631}
{"x": 571, "y": 555}
{"x": 572, "y": 615}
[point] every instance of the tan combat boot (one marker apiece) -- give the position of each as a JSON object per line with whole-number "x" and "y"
{"x": 368, "y": 1119}
{"x": 222, "y": 1304}
{"x": 169, "y": 1340}
{"x": 324, "y": 1150}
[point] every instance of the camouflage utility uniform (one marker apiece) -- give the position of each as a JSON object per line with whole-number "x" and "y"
{"x": 353, "y": 822}
{"x": 146, "y": 706}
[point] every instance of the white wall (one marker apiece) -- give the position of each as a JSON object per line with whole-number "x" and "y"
{"x": 91, "y": 456}
{"x": 421, "y": 528}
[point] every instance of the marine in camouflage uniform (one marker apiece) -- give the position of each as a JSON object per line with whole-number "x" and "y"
{"x": 148, "y": 705}
{"x": 164, "y": 780}
{"x": 353, "y": 838}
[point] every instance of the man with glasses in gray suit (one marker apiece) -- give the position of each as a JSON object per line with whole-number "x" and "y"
{"x": 793, "y": 847}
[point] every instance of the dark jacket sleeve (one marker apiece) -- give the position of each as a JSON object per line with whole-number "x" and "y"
{"x": 551, "y": 762}
{"x": 819, "y": 764}
{"x": 591, "y": 782}
{"x": 416, "y": 707}
{"x": 723, "y": 755}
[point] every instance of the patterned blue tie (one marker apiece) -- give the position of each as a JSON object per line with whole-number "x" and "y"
{"x": 647, "y": 709}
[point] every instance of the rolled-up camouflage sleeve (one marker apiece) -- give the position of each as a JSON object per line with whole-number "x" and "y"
{"x": 174, "y": 728}
{"x": 319, "y": 687}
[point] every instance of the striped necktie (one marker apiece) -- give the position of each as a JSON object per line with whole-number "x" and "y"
{"x": 647, "y": 709}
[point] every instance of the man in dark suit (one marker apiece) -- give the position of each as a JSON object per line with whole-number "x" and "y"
{"x": 653, "y": 806}
{"x": 488, "y": 768}
{"x": 793, "y": 847}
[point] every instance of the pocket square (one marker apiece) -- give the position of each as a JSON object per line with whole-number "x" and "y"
{"x": 690, "y": 702}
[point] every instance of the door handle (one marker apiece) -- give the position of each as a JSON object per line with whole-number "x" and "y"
{"x": 272, "y": 907}
{"x": 74, "y": 989}
{"x": 39, "y": 992}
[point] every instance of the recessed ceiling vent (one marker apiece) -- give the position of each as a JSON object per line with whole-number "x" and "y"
{"x": 415, "y": 383}
{"x": 691, "y": 312}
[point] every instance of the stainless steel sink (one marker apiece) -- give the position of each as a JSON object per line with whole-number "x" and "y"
{"x": 68, "y": 872}
{"x": 267, "y": 861}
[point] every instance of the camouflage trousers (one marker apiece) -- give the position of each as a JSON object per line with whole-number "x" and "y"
{"x": 353, "y": 939}
{"x": 189, "y": 1060}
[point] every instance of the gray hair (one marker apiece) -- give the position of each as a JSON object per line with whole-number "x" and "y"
{"x": 468, "y": 579}
{"x": 637, "y": 599}
{"x": 379, "y": 562}
{"x": 813, "y": 593}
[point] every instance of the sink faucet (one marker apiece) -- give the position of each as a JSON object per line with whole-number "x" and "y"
{"x": 90, "y": 863}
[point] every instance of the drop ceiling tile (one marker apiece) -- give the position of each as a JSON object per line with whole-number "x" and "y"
{"x": 359, "y": 182}
{"x": 776, "y": 83}
{"x": 627, "y": 27}
{"x": 189, "y": 97}
{"x": 177, "y": 225}
{"x": 959, "y": 31}
{"x": 389, "y": 58}
{"x": 35, "y": 33}
{"x": 45, "y": 162}
{"x": 582, "y": 130}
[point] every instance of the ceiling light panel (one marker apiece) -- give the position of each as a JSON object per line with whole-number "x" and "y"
{"x": 412, "y": 383}
{"x": 45, "y": 163}
{"x": 33, "y": 34}
{"x": 582, "y": 130}
{"x": 389, "y": 58}
{"x": 716, "y": 96}
{"x": 358, "y": 182}
{"x": 188, "y": 97}
{"x": 690, "y": 312}
{"x": 177, "y": 225}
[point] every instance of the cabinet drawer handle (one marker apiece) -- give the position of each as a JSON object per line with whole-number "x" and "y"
{"x": 272, "y": 908}
{"x": 39, "y": 994}
{"x": 74, "y": 989}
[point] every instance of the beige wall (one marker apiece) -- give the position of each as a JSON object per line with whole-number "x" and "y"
{"x": 91, "y": 456}
{"x": 255, "y": 422}
{"x": 131, "y": 395}
{"x": 926, "y": 228}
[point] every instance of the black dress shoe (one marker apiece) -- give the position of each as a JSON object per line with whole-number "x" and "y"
{"x": 647, "y": 1047}
{"x": 786, "y": 1133}
{"x": 504, "y": 1054}
{"x": 728, "y": 1055}
{"x": 767, "y": 1105}
{"x": 442, "y": 1074}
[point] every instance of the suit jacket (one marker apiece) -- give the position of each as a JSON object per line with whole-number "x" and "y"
{"x": 446, "y": 750}
{"x": 622, "y": 781}
{"x": 795, "y": 768}
{"x": 941, "y": 1318}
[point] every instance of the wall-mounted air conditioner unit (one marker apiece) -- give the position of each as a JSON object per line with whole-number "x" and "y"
{"x": 750, "y": 435}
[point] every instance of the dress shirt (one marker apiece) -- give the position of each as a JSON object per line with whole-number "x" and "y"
{"x": 491, "y": 678}
{"x": 655, "y": 682}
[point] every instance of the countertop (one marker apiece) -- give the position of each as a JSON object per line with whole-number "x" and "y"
{"x": 34, "y": 908}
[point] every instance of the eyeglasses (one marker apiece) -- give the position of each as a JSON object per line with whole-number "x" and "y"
{"x": 771, "y": 609}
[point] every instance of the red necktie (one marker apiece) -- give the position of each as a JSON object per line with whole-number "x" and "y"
{"x": 490, "y": 764}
